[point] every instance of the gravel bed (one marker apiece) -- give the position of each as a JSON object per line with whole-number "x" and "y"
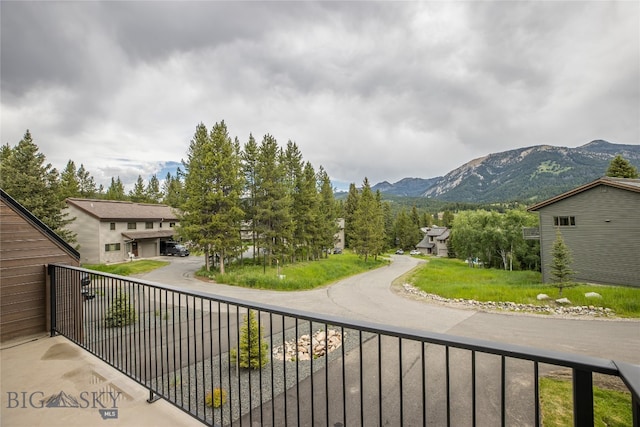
{"x": 189, "y": 386}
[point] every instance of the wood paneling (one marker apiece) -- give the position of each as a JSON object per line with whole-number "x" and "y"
{"x": 25, "y": 250}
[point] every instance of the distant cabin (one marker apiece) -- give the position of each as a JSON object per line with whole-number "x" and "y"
{"x": 600, "y": 223}
{"x": 435, "y": 241}
{"x": 27, "y": 246}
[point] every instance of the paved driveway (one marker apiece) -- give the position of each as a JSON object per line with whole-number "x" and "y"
{"x": 369, "y": 297}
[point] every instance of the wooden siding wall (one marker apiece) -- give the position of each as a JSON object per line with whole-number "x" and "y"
{"x": 24, "y": 253}
{"x": 605, "y": 243}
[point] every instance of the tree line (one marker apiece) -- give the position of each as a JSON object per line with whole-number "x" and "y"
{"x": 226, "y": 189}
{"x": 270, "y": 193}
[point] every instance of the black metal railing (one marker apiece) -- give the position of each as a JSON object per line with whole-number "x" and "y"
{"x": 189, "y": 347}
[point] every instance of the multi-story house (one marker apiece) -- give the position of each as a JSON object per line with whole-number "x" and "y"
{"x": 600, "y": 224}
{"x": 434, "y": 241}
{"x": 114, "y": 231}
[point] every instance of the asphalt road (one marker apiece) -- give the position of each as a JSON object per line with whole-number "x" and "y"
{"x": 369, "y": 297}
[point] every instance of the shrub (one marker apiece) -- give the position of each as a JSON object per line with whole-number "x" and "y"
{"x": 121, "y": 312}
{"x": 253, "y": 348}
{"x": 216, "y": 399}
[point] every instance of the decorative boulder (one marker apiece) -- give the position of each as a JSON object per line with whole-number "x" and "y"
{"x": 563, "y": 301}
{"x": 592, "y": 295}
{"x": 542, "y": 297}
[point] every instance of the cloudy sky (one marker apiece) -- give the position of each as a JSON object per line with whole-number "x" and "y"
{"x": 385, "y": 90}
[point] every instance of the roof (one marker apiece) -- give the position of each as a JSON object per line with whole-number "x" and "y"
{"x": 135, "y": 235}
{"x": 622, "y": 183}
{"x": 427, "y": 245}
{"x": 108, "y": 210}
{"x": 436, "y": 231}
{"x": 34, "y": 221}
{"x": 445, "y": 235}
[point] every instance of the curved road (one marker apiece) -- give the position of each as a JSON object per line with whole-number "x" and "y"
{"x": 369, "y": 297}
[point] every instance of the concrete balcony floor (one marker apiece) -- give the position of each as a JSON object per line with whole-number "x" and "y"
{"x": 52, "y": 382}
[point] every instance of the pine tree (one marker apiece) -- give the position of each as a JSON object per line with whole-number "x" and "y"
{"x": 172, "y": 189}
{"x": 447, "y": 218}
{"x": 115, "y": 190}
{"x": 254, "y": 350}
{"x": 561, "y": 263}
{"x": 379, "y": 236}
{"x": 404, "y": 231}
{"x": 368, "y": 228}
{"x": 152, "y": 191}
{"x": 327, "y": 212}
{"x": 213, "y": 186}
{"x": 296, "y": 187}
{"x": 249, "y": 164}
{"x": 621, "y": 168}
{"x": 86, "y": 183}
{"x": 426, "y": 220}
{"x": 138, "y": 194}
{"x": 69, "y": 184}
{"x": 34, "y": 184}
{"x": 273, "y": 203}
{"x": 350, "y": 206}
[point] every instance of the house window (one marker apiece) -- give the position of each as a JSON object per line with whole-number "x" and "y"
{"x": 148, "y": 225}
{"x": 112, "y": 226}
{"x": 564, "y": 221}
{"x": 172, "y": 224}
{"x": 131, "y": 226}
{"x": 111, "y": 247}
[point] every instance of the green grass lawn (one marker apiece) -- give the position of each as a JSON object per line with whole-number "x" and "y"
{"x": 452, "y": 278}
{"x": 128, "y": 268}
{"x": 611, "y": 408}
{"x": 291, "y": 277}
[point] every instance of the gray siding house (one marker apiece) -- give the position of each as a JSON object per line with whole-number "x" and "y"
{"x": 434, "y": 241}
{"x": 114, "y": 231}
{"x": 600, "y": 223}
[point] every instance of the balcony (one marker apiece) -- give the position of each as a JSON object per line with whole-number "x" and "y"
{"x": 531, "y": 233}
{"x": 179, "y": 347}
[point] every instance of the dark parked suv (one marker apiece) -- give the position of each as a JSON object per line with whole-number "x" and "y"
{"x": 175, "y": 249}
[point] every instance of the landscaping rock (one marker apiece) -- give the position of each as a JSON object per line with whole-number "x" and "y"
{"x": 563, "y": 301}
{"x": 309, "y": 346}
{"x": 592, "y": 295}
{"x": 559, "y": 310}
{"x": 542, "y": 297}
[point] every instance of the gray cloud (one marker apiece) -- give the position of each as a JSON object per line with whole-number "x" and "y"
{"x": 378, "y": 89}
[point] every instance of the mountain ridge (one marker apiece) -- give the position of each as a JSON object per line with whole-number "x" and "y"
{"x": 526, "y": 174}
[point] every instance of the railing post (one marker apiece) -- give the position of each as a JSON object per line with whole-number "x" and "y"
{"x": 52, "y": 297}
{"x": 582, "y": 398}
{"x": 630, "y": 375}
